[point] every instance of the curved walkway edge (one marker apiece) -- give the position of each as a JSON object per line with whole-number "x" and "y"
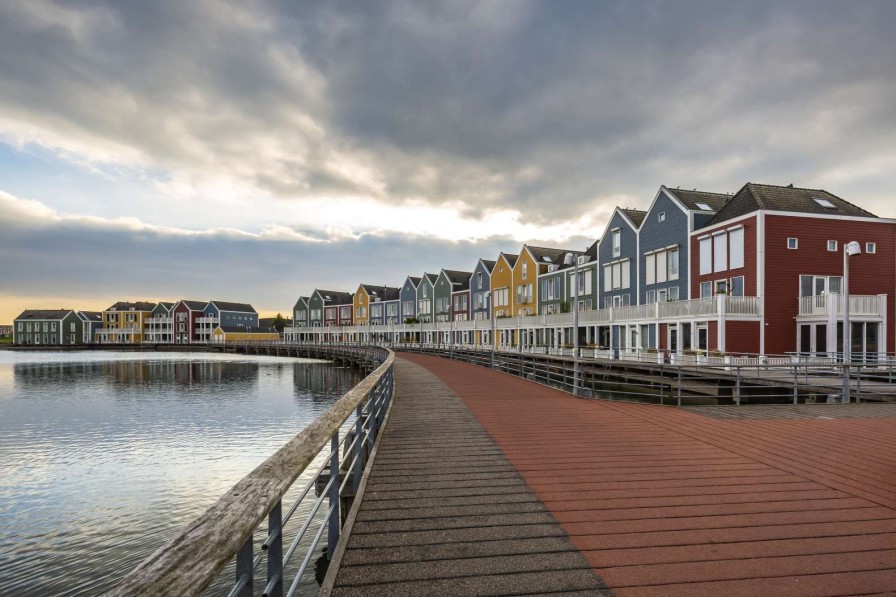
{"x": 487, "y": 484}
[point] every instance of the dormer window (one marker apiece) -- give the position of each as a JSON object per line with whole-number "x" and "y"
{"x": 824, "y": 203}
{"x": 582, "y": 259}
{"x": 704, "y": 207}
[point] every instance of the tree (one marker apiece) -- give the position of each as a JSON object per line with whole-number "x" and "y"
{"x": 279, "y": 323}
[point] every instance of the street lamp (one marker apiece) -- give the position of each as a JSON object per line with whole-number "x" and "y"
{"x": 851, "y": 249}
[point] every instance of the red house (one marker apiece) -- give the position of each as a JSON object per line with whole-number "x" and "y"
{"x": 786, "y": 245}
{"x": 185, "y": 313}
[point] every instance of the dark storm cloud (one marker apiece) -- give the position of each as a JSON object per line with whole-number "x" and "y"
{"x": 528, "y": 105}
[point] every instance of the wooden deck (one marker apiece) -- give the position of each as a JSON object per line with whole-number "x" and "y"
{"x": 487, "y": 484}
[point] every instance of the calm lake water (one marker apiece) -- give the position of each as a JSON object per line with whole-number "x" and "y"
{"x": 104, "y": 456}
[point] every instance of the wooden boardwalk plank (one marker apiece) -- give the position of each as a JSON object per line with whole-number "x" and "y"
{"x": 666, "y": 501}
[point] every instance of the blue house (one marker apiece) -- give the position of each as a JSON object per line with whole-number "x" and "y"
{"x": 426, "y": 298}
{"x": 480, "y": 287}
{"x": 618, "y": 260}
{"x": 408, "y": 299}
{"x": 224, "y": 314}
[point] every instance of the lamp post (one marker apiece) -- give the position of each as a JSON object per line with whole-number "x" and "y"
{"x": 851, "y": 248}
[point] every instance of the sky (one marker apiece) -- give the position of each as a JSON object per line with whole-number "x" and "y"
{"x": 252, "y": 151}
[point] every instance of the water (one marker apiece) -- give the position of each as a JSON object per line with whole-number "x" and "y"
{"x": 104, "y": 456}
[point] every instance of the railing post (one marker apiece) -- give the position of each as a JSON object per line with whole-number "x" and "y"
{"x": 275, "y": 552}
{"x": 359, "y": 448}
{"x": 335, "y": 520}
{"x": 795, "y": 382}
{"x": 859, "y": 384}
{"x": 679, "y": 386}
{"x": 244, "y": 568}
{"x": 737, "y": 387}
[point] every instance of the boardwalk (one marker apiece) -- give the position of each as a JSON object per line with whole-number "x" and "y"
{"x": 486, "y": 484}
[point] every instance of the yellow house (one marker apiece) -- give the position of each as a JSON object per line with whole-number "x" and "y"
{"x": 502, "y": 285}
{"x": 229, "y": 333}
{"x": 123, "y": 323}
{"x": 532, "y": 262}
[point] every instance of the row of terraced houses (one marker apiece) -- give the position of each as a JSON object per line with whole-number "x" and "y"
{"x": 756, "y": 272}
{"x": 181, "y": 322}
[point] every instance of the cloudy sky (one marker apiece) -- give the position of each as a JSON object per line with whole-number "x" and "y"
{"x": 252, "y": 151}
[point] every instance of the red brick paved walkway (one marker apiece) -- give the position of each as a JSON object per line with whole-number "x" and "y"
{"x": 664, "y": 501}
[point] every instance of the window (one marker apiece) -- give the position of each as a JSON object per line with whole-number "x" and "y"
{"x": 705, "y": 289}
{"x": 661, "y": 217}
{"x": 703, "y": 207}
{"x": 721, "y": 286}
{"x": 479, "y": 280}
{"x": 525, "y": 270}
{"x": 650, "y": 273}
{"x": 720, "y": 252}
{"x": 737, "y": 286}
{"x": 617, "y": 242}
{"x": 736, "y": 248}
{"x": 706, "y": 255}
{"x": 824, "y": 203}
{"x": 792, "y": 243}
{"x": 819, "y": 285}
{"x": 673, "y": 293}
{"x": 832, "y": 246}
{"x": 662, "y": 267}
{"x": 673, "y": 264}
{"x": 651, "y": 296}
{"x": 871, "y": 247}
{"x": 20, "y": 326}
{"x": 71, "y": 327}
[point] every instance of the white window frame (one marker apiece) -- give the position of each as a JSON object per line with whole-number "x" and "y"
{"x": 871, "y": 248}
{"x": 651, "y": 297}
{"x": 720, "y": 252}
{"x": 616, "y": 235}
{"x": 706, "y": 255}
{"x": 793, "y": 243}
{"x": 832, "y": 246}
{"x": 650, "y": 269}
{"x": 704, "y": 286}
{"x": 661, "y": 217}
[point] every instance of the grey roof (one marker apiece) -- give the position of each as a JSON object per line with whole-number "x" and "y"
{"x": 300, "y": 299}
{"x": 431, "y": 277}
{"x": 199, "y": 305}
{"x": 335, "y": 297}
{"x": 690, "y": 199}
{"x": 489, "y": 264}
{"x": 135, "y": 306}
{"x": 165, "y": 304}
{"x": 234, "y": 307}
{"x": 511, "y": 258}
{"x": 414, "y": 280}
{"x": 635, "y": 215}
{"x": 592, "y": 250}
{"x": 752, "y": 197}
{"x": 53, "y": 314}
{"x": 544, "y": 254}
{"x": 91, "y": 315}
{"x": 459, "y": 280}
{"x": 384, "y": 293}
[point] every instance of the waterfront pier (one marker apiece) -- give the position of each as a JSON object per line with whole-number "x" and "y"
{"x": 488, "y": 484}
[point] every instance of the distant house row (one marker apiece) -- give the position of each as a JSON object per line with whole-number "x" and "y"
{"x": 759, "y": 272}
{"x": 181, "y": 322}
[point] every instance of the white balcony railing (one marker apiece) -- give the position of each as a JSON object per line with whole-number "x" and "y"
{"x": 833, "y": 305}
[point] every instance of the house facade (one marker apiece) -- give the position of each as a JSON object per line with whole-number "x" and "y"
{"x": 91, "y": 321}
{"x": 618, "y": 284}
{"x": 426, "y": 306}
{"x": 190, "y": 321}
{"x": 786, "y": 245}
{"x": 502, "y": 285}
{"x": 408, "y": 299}
{"x": 480, "y": 290}
{"x": 448, "y": 282}
{"x": 300, "y": 312}
{"x": 160, "y": 325}
{"x": 124, "y": 323}
{"x": 371, "y": 303}
{"x": 225, "y": 314}
{"x": 51, "y": 327}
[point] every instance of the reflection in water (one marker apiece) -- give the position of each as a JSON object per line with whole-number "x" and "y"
{"x": 103, "y": 456}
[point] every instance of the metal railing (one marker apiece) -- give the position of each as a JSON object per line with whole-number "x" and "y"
{"x": 339, "y": 443}
{"x": 668, "y": 378}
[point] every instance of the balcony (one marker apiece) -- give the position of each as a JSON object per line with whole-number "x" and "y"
{"x": 832, "y": 306}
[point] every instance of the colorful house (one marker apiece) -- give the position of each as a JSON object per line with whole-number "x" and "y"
{"x": 480, "y": 290}
{"x": 447, "y": 283}
{"x": 224, "y": 314}
{"x": 160, "y": 325}
{"x": 337, "y": 307}
{"x": 50, "y": 327}
{"x": 555, "y": 286}
{"x": 124, "y": 323}
{"x": 532, "y": 262}
{"x": 186, "y": 316}
{"x": 408, "y": 299}
{"x": 370, "y": 304}
{"x": 618, "y": 260}
{"x": 664, "y": 271}
{"x": 91, "y": 321}
{"x": 301, "y": 313}
{"x": 784, "y": 247}
{"x": 502, "y": 285}
{"x": 426, "y": 298}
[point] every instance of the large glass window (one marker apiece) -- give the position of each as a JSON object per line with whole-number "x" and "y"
{"x": 706, "y": 255}
{"x": 736, "y": 245}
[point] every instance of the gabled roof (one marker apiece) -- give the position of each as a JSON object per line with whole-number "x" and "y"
{"x": 335, "y": 297}
{"x": 752, "y": 197}
{"x": 166, "y": 304}
{"x": 196, "y": 305}
{"x": 415, "y": 281}
{"x": 635, "y": 215}
{"x": 592, "y": 250}
{"x": 431, "y": 277}
{"x": 299, "y": 301}
{"x": 547, "y": 255}
{"x": 690, "y": 199}
{"x": 96, "y": 316}
{"x": 135, "y": 306}
{"x": 459, "y": 280}
{"x": 384, "y": 293}
{"x": 44, "y": 314}
{"x": 489, "y": 264}
{"x": 510, "y": 258}
{"x": 233, "y": 307}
